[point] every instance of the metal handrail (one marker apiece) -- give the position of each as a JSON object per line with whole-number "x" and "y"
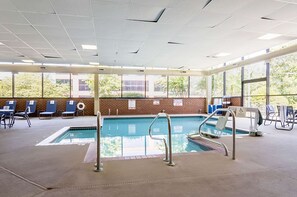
{"x": 169, "y": 160}
{"x": 215, "y": 142}
{"x": 98, "y": 165}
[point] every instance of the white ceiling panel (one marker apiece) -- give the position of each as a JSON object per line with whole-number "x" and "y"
{"x": 208, "y": 19}
{"x": 10, "y": 17}
{"x": 7, "y": 5}
{"x": 38, "y": 6}
{"x": 285, "y": 13}
{"x": 260, "y": 25}
{"x": 21, "y": 29}
{"x": 31, "y": 38}
{"x": 110, "y": 10}
{"x": 72, "y": 7}
{"x": 257, "y": 9}
{"x": 15, "y": 44}
{"x": 7, "y": 37}
{"x": 285, "y": 29}
{"x": 4, "y": 48}
{"x": 81, "y": 33}
{"x": 77, "y": 22}
{"x": 43, "y": 19}
{"x": 226, "y": 6}
{"x": 175, "y": 16}
{"x": 51, "y": 31}
{"x": 109, "y": 29}
{"x": 40, "y": 45}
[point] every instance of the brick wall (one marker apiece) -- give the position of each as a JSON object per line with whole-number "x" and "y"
{"x": 236, "y": 101}
{"x": 145, "y": 106}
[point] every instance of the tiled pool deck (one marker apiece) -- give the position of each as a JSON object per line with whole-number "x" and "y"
{"x": 264, "y": 166}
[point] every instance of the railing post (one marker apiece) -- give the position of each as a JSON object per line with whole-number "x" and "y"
{"x": 98, "y": 165}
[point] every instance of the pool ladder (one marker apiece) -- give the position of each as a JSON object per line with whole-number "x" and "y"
{"x": 229, "y": 111}
{"x": 168, "y": 156}
{"x": 98, "y": 165}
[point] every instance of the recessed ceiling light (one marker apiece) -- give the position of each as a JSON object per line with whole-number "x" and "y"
{"x": 28, "y": 61}
{"x": 269, "y": 36}
{"x": 89, "y": 47}
{"x": 94, "y": 63}
{"x": 221, "y": 54}
{"x": 1, "y": 43}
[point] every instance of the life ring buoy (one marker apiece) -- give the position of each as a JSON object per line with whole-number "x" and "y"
{"x": 80, "y": 106}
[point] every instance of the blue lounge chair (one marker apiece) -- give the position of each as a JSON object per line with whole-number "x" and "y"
{"x": 70, "y": 109}
{"x": 8, "y": 113}
{"x": 270, "y": 115}
{"x": 51, "y": 109}
{"x": 30, "y": 109}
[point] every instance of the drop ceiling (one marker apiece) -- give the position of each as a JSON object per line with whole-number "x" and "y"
{"x": 142, "y": 33}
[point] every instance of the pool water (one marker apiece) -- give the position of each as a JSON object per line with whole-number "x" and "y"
{"x": 129, "y": 136}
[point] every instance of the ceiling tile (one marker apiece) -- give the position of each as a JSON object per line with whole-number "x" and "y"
{"x": 38, "y": 6}
{"x": 285, "y": 13}
{"x": 21, "y": 29}
{"x": 7, "y": 37}
{"x": 7, "y": 5}
{"x": 43, "y": 19}
{"x": 77, "y": 22}
{"x": 72, "y": 7}
{"x": 110, "y": 10}
{"x": 10, "y": 17}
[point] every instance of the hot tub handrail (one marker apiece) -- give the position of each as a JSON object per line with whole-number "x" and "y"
{"x": 220, "y": 143}
{"x": 98, "y": 165}
{"x": 163, "y": 139}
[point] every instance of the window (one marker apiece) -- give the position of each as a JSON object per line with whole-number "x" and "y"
{"x": 5, "y": 84}
{"x": 27, "y": 85}
{"x": 197, "y": 86}
{"x": 283, "y": 80}
{"x": 133, "y": 85}
{"x": 82, "y": 85}
{"x": 109, "y": 85}
{"x": 56, "y": 85}
{"x": 233, "y": 82}
{"x": 217, "y": 85}
{"x": 254, "y": 71}
{"x": 156, "y": 86}
{"x": 178, "y": 86}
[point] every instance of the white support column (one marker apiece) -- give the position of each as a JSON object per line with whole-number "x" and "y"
{"x": 208, "y": 91}
{"x": 96, "y": 94}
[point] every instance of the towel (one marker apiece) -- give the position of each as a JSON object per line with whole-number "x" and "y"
{"x": 5, "y": 107}
{"x": 11, "y": 102}
{"x": 52, "y": 102}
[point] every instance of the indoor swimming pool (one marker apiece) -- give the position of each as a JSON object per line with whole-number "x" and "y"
{"x": 129, "y": 136}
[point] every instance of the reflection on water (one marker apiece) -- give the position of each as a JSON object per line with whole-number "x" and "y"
{"x": 129, "y": 136}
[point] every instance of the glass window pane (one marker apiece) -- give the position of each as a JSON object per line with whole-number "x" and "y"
{"x": 5, "y": 84}
{"x": 283, "y": 75}
{"x": 82, "y": 85}
{"x": 197, "y": 86}
{"x": 178, "y": 86}
{"x": 257, "y": 88}
{"x": 156, "y": 86}
{"x": 255, "y": 101}
{"x": 133, "y": 85}
{"x": 56, "y": 85}
{"x": 233, "y": 82}
{"x": 217, "y": 85}
{"x": 254, "y": 71}
{"x": 109, "y": 85}
{"x": 28, "y": 85}
{"x": 283, "y": 100}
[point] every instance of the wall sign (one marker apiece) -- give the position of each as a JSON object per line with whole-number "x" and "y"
{"x": 177, "y": 102}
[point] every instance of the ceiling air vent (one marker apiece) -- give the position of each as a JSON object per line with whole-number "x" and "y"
{"x": 50, "y": 57}
{"x": 174, "y": 43}
{"x": 267, "y": 18}
{"x": 206, "y": 4}
{"x": 157, "y": 18}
